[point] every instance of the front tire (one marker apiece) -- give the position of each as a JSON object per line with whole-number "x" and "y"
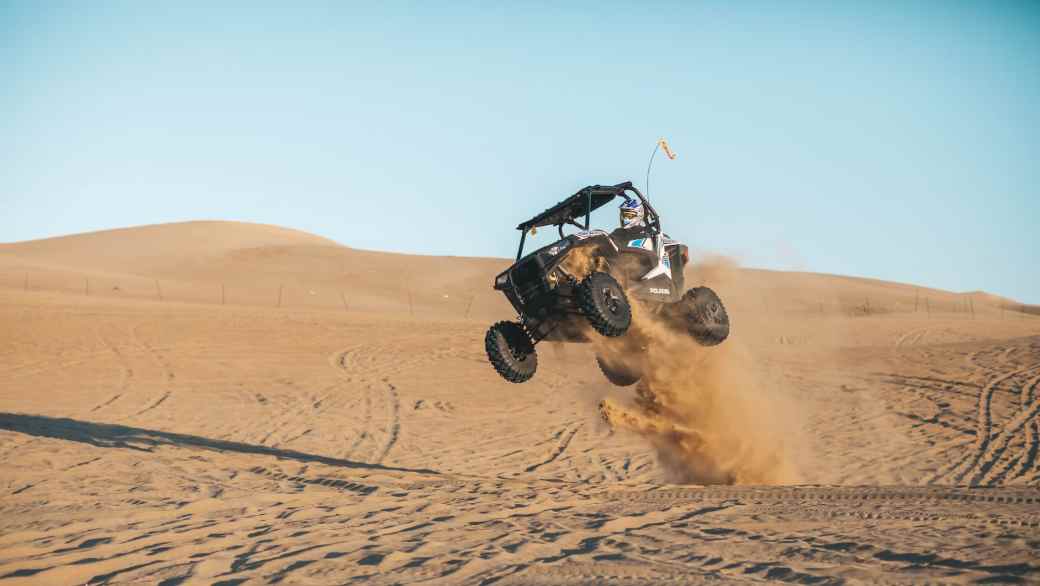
{"x": 604, "y": 304}
{"x": 704, "y": 317}
{"x": 511, "y": 352}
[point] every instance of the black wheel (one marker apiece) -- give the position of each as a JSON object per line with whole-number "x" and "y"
{"x": 511, "y": 351}
{"x": 604, "y": 304}
{"x": 704, "y": 316}
{"x": 621, "y": 375}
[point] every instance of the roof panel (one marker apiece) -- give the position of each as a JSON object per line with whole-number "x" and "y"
{"x": 575, "y": 206}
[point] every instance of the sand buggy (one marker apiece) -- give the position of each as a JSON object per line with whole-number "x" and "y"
{"x": 580, "y": 286}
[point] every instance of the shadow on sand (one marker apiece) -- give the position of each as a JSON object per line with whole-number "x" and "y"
{"x": 105, "y": 435}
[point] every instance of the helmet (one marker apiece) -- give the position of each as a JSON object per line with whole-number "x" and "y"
{"x": 632, "y": 213}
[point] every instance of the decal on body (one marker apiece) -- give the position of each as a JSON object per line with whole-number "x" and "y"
{"x": 644, "y": 243}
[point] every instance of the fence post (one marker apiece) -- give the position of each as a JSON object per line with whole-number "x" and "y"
{"x": 971, "y": 302}
{"x": 343, "y": 296}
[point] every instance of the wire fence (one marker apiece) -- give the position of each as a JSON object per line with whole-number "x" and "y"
{"x": 287, "y": 295}
{"x": 407, "y": 299}
{"x": 923, "y": 304}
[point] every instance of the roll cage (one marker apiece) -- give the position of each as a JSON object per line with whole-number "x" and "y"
{"x": 583, "y": 203}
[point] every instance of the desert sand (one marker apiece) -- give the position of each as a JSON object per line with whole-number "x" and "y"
{"x": 227, "y": 403}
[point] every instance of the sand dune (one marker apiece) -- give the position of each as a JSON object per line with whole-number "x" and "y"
{"x": 191, "y": 261}
{"x": 216, "y": 402}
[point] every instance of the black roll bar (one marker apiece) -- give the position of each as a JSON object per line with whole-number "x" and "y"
{"x": 653, "y": 220}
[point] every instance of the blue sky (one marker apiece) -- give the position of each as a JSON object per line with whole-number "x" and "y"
{"x": 895, "y": 140}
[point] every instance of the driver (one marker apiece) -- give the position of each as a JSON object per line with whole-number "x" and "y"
{"x": 633, "y": 214}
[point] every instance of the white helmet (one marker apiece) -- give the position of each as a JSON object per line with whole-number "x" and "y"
{"x": 632, "y": 213}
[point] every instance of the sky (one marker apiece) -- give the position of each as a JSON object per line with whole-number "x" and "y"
{"x": 893, "y": 139}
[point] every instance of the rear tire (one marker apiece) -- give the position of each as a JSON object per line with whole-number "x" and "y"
{"x": 511, "y": 352}
{"x": 704, "y": 317}
{"x": 618, "y": 374}
{"x": 604, "y": 304}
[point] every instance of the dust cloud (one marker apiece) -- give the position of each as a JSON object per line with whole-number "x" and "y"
{"x": 709, "y": 412}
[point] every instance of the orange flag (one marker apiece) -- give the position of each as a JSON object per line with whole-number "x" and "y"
{"x": 667, "y": 150}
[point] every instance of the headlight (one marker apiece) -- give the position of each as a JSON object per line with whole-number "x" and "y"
{"x": 501, "y": 280}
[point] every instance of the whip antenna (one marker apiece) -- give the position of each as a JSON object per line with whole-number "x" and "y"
{"x": 663, "y": 145}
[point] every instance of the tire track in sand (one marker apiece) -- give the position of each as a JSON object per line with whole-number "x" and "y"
{"x": 911, "y": 338}
{"x": 154, "y": 404}
{"x": 984, "y": 426}
{"x": 338, "y": 361}
{"x": 125, "y": 374}
{"x": 350, "y": 365}
{"x": 970, "y": 360}
{"x": 565, "y": 436}
{"x": 166, "y": 373}
{"x": 394, "y": 414}
{"x": 989, "y": 475}
{"x": 1031, "y": 449}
